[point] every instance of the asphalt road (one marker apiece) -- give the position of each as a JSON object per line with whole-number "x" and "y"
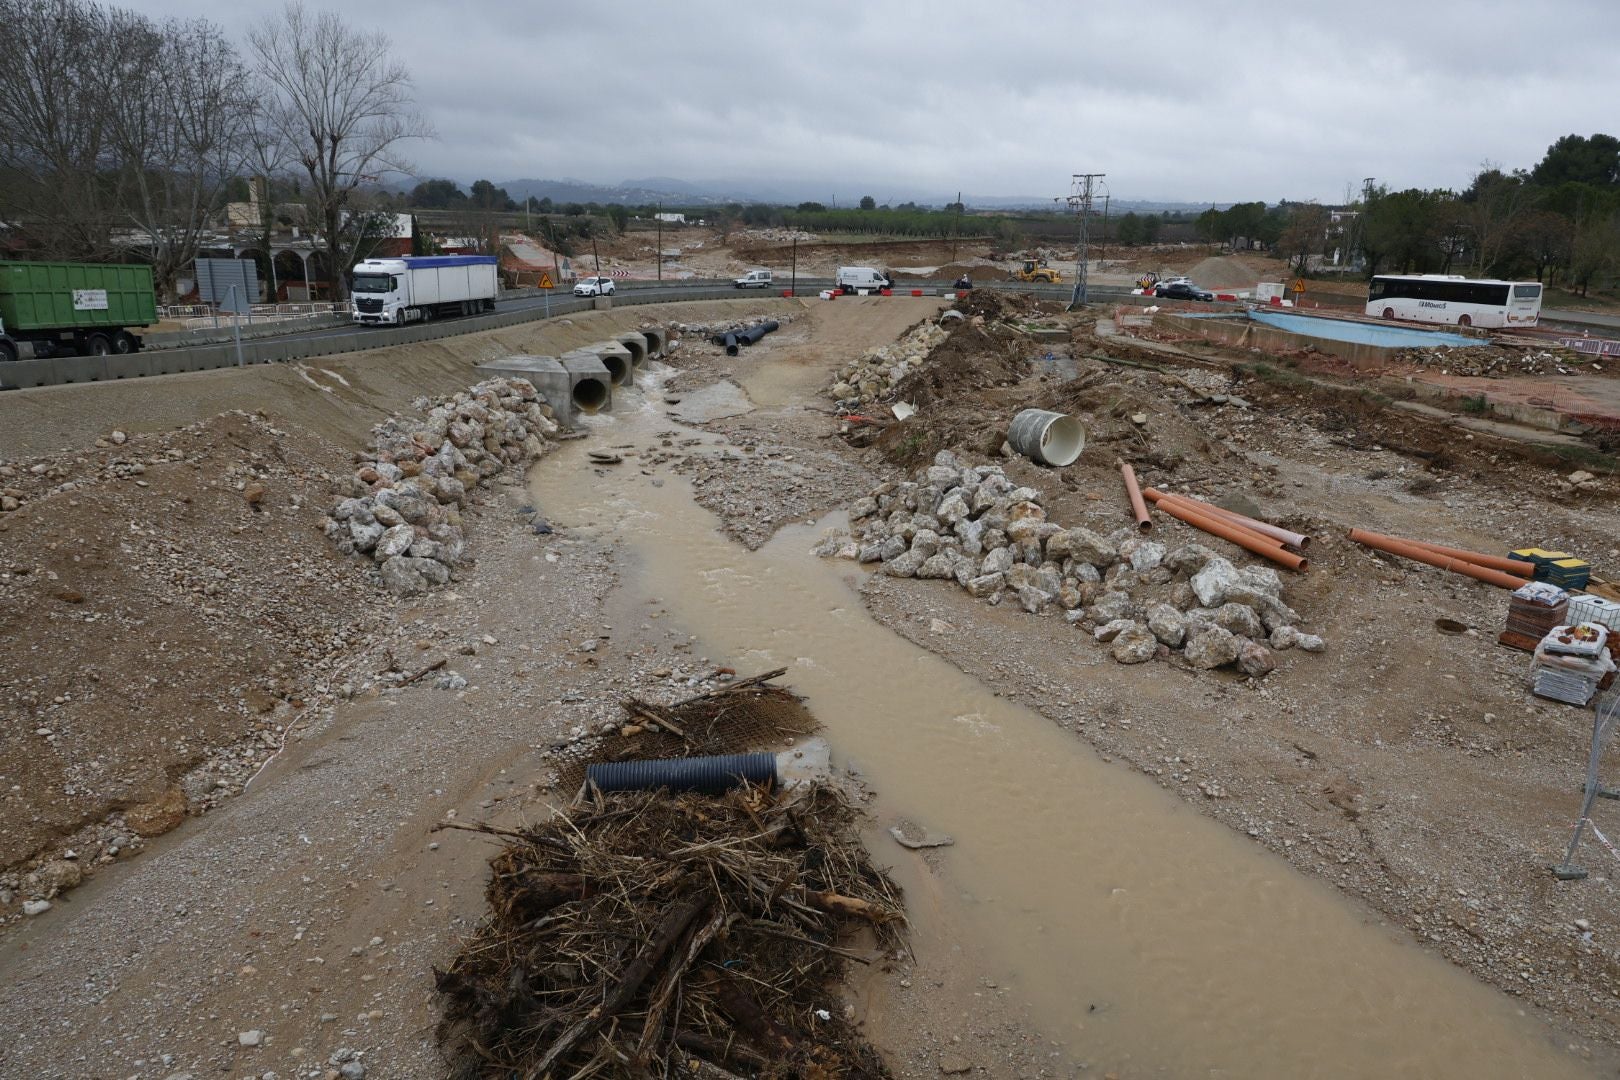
{"x": 1581, "y": 318}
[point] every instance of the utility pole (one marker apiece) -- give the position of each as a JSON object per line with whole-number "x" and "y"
{"x": 793, "y": 285}
{"x": 1102, "y": 244}
{"x": 956, "y": 233}
{"x": 1081, "y": 188}
{"x": 658, "y": 215}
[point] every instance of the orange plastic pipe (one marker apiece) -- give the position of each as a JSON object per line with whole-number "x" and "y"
{"x": 1408, "y": 550}
{"x": 1265, "y": 528}
{"x": 1264, "y": 546}
{"x": 1165, "y": 501}
{"x": 1495, "y": 562}
{"x": 1134, "y": 490}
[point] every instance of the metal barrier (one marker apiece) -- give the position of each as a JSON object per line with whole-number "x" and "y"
{"x": 1591, "y": 346}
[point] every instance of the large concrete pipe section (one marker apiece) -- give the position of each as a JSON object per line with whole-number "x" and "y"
{"x": 616, "y": 358}
{"x": 637, "y": 344}
{"x": 590, "y": 385}
{"x": 656, "y": 339}
{"x": 553, "y": 383}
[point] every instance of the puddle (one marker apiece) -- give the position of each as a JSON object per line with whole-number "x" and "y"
{"x": 715, "y": 402}
{"x": 1149, "y": 939}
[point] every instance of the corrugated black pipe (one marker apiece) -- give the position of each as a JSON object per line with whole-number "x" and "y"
{"x": 705, "y": 775}
{"x": 731, "y": 344}
{"x": 754, "y": 333}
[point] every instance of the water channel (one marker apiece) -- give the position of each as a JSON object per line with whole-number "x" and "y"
{"x": 1203, "y": 954}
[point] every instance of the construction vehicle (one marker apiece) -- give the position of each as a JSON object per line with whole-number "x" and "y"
{"x": 1038, "y": 271}
{"x": 73, "y": 309}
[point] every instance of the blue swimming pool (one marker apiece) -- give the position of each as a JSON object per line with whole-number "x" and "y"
{"x": 1397, "y": 337}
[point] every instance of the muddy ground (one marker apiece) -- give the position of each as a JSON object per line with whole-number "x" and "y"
{"x": 1408, "y": 767}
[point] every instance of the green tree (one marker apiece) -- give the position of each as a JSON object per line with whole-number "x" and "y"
{"x": 1130, "y": 229}
{"x": 1596, "y": 250}
{"x": 868, "y": 203}
{"x": 619, "y": 215}
{"x": 811, "y": 208}
{"x": 436, "y": 195}
{"x": 1150, "y": 228}
{"x": 1581, "y": 160}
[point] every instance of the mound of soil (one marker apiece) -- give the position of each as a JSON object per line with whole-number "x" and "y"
{"x": 167, "y": 598}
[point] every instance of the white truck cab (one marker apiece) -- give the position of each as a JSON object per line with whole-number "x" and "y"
{"x": 754, "y": 279}
{"x": 859, "y": 278}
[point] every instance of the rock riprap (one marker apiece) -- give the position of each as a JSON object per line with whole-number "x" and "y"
{"x": 1139, "y": 597}
{"x": 403, "y": 506}
{"x": 873, "y": 375}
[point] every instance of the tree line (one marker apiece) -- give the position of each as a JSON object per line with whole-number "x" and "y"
{"x": 1558, "y": 222}
{"x": 123, "y": 135}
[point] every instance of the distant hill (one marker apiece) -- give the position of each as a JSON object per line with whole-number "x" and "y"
{"x": 678, "y": 192}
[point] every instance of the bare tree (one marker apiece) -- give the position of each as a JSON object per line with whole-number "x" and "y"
{"x": 343, "y": 107}
{"x": 180, "y": 130}
{"x": 54, "y": 125}
{"x": 1304, "y": 236}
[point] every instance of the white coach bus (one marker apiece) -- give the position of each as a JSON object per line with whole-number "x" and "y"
{"x": 1459, "y": 301}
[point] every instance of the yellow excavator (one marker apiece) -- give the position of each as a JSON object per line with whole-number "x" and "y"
{"x": 1038, "y": 271}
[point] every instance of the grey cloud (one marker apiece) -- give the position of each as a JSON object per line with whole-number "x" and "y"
{"x": 1172, "y": 100}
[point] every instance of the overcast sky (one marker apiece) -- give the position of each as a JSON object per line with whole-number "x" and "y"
{"x": 1178, "y": 101}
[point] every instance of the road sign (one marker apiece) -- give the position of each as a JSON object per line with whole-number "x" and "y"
{"x": 216, "y": 276}
{"x": 1298, "y": 285}
{"x": 545, "y": 281}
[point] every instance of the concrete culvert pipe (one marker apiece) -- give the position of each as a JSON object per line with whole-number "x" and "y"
{"x": 655, "y": 343}
{"x": 618, "y": 368}
{"x": 1047, "y": 438}
{"x": 706, "y": 775}
{"x": 590, "y": 395}
{"x": 637, "y": 345}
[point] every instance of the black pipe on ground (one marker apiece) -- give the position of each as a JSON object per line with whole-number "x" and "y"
{"x": 705, "y": 775}
{"x": 730, "y": 343}
{"x": 752, "y": 335}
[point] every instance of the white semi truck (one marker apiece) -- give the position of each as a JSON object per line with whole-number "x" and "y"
{"x": 390, "y": 292}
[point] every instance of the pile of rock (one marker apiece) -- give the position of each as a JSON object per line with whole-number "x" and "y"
{"x": 403, "y": 507}
{"x": 970, "y": 524}
{"x": 872, "y": 377}
{"x": 1494, "y": 362}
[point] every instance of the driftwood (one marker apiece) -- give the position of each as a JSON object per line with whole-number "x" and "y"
{"x": 639, "y": 931}
{"x": 674, "y": 925}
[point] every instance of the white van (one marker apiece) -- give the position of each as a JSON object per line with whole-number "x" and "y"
{"x": 851, "y": 278}
{"x": 754, "y": 279}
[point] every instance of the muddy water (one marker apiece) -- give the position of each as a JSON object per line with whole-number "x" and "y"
{"x": 1148, "y": 938}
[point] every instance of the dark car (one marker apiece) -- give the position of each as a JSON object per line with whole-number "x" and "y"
{"x": 1183, "y": 290}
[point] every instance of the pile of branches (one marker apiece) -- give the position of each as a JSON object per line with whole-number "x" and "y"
{"x": 647, "y": 934}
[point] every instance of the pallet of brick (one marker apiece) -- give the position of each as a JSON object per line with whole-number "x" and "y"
{"x": 1533, "y": 610}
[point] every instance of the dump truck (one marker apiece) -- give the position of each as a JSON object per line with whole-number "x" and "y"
{"x": 73, "y": 309}
{"x": 389, "y": 292}
{"x": 1038, "y": 271}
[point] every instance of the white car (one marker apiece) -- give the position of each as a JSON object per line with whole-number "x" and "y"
{"x": 594, "y": 286}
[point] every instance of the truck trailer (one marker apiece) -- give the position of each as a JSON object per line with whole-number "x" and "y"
{"x": 389, "y": 292}
{"x": 73, "y": 309}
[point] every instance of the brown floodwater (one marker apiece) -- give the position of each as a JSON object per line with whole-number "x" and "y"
{"x": 1145, "y": 937}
